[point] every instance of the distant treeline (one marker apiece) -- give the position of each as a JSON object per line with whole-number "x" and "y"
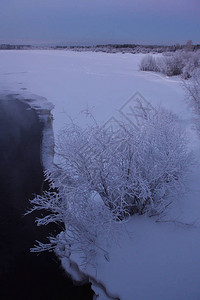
{"x": 109, "y": 48}
{"x": 14, "y": 47}
{"x": 128, "y": 48}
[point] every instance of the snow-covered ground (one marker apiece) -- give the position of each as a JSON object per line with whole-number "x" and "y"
{"x": 77, "y": 81}
{"x": 151, "y": 260}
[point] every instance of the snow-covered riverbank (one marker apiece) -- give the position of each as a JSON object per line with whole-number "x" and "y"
{"x": 149, "y": 260}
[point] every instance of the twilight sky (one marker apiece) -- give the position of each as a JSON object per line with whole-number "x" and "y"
{"x": 91, "y": 22}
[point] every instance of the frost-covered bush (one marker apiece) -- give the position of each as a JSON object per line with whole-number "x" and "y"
{"x": 105, "y": 175}
{"x": 174, "y": 63}
{"x": 82, "y": 215}
{"x": 192, "y": 87}
{"x": 132, "y": 170}
{"x": 148, "y": 63}
{"x": 171, "y": 64}
{"x": 191, "y": 62}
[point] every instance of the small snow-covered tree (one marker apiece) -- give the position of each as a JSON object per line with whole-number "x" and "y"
{"x": 188, "y": 46}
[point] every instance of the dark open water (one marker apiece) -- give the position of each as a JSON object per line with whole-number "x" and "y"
{"x": 25, "y": 275}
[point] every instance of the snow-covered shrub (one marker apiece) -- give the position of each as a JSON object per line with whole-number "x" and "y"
{"x": 180, "y": 62}
{"x": 105, "y": 175}
{"x": 131, "y": 170}
{"x": 148, "y": 63}
{"x": 82, "y": 215}
{"x": 170, "y": 64}
{"x": 191, "y": 62}
{"x": 192, "y": 87}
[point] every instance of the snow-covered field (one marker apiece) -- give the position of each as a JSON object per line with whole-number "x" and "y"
{"x": 77, "y": 81}
{"x": 151, "y": 260}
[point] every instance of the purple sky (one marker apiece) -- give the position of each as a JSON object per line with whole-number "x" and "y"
{"x": 99, "y": 21}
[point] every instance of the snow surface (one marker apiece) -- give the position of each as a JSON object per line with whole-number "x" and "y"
{"x": 77, "y": 81}
{"x": 151, "y": 260}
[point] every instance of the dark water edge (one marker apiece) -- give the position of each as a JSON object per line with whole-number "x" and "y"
{"x": 25, "y": 275}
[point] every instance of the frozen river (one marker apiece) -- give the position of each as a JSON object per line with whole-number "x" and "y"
{"x": 24, "y": 275}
